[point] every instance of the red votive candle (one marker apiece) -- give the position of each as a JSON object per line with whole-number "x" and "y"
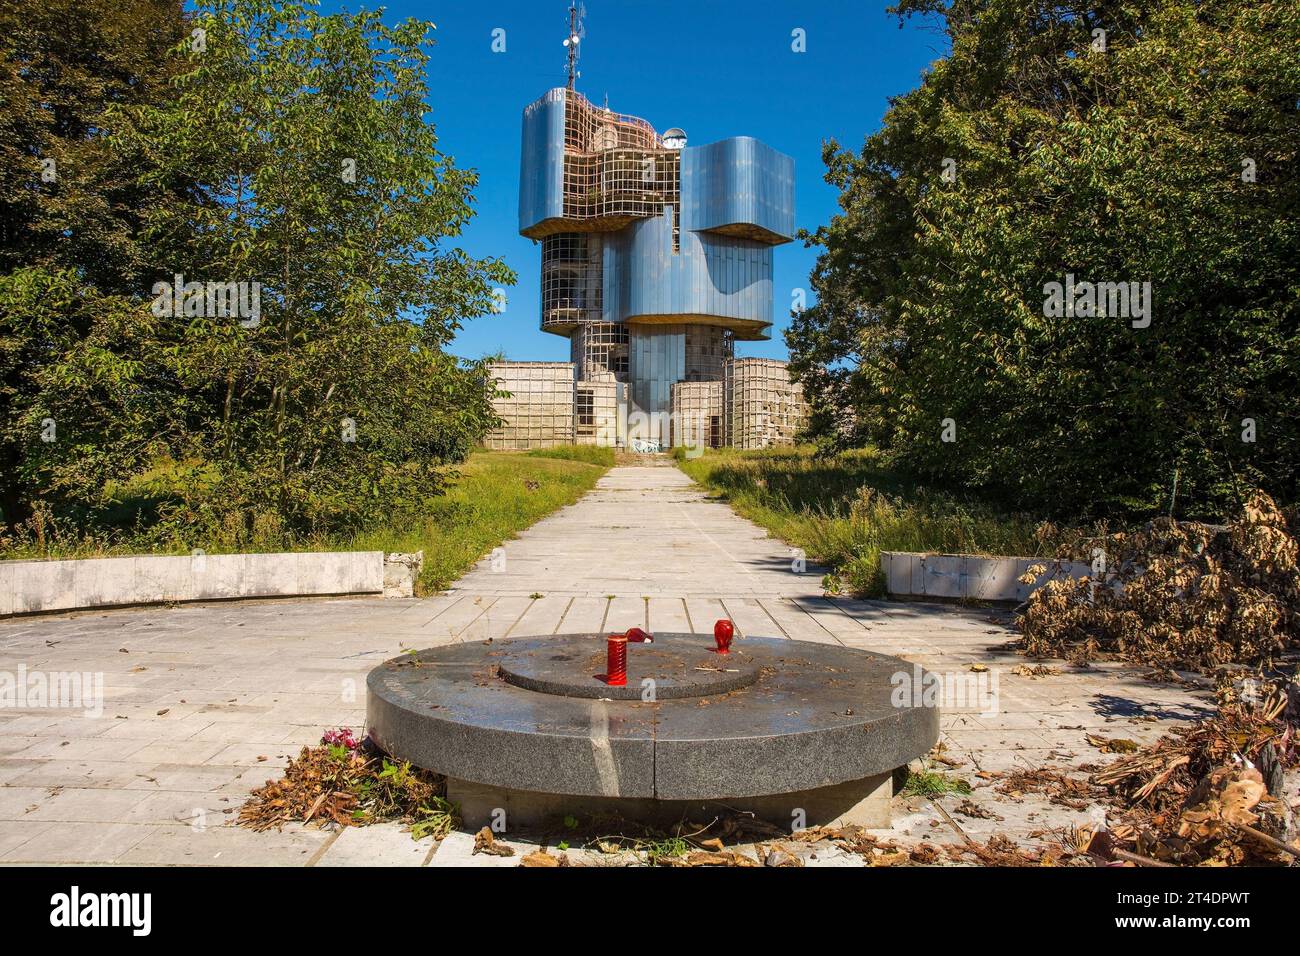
{"x": 616, "y": 661}
{"x": 722, "y": 632}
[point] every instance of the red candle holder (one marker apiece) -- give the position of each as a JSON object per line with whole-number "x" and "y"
{"x": 722, "y": 634}
{"x": 616, "y": 660}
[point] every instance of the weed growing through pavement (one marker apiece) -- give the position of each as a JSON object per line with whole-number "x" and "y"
{"x": 930, "y": 783}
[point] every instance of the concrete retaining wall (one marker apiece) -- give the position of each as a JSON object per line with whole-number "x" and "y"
{"x": 970, "y": 576}
{"x": 32, "y": 586}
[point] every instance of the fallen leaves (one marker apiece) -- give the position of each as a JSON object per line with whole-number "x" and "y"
{"x": 968, "y": 808}
{"x": 1197, "y": 797}
{"x": 1180, "y": 594}
{"x": 332, "y": 785}
{"x": 1116, "y": 745}
{"x": 777, "y": 855}
{"x": 485, "y": 842}
{"x": 1000, "y": 850}
{"x": 704, "y": 858}
{"x": 540, "y": 858}
{"x": 1035, "y": 671}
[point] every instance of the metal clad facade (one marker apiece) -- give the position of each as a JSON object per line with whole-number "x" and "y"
{"x": 541, "y": 161}
{"x": 710, "y": 274}
{"x": 655, "y": 260}
{"x": 656, "y": 359}
{"x": 738, "y": 181}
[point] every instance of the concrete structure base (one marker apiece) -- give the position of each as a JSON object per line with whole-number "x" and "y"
{"x": 973, "y": 577}
{"x": 863, "y": 802}
{"x": 775, "y": 716}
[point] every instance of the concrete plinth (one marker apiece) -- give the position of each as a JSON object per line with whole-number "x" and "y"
{"x": 863, "y": 802}
{"x": 772, "y": 717}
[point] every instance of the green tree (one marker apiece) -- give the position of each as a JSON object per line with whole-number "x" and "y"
{"x": 291, "y": 178}
{"x": 69, "y": 223}
{"x": 67, "y": 197}
{"x": 1161, "y": 150}
{"x": 315, "y": 174}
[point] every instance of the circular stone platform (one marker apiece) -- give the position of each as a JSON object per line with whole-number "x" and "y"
{"x": 532, "y": 714}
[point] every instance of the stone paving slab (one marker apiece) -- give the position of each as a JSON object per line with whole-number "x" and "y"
{"x": 195, "y": 694}
{"x": 225, "y": 845}
{"x": 385, "y": 844}
{"x": 458, "y": 850}
{"x": 79, "y": 842}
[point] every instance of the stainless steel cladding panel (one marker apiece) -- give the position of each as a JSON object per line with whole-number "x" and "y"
{"x": 737, "y": 183}
{"x": 541, "y": 161}
{"x": 710, "y": 276}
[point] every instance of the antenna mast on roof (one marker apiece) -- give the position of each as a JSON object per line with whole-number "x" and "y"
{"x": 576, "y": 33}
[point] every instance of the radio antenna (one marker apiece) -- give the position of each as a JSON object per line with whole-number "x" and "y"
{"x": 576, "y": 33}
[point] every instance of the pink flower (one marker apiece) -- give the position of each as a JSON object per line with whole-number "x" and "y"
{"x": 342, "y": 737}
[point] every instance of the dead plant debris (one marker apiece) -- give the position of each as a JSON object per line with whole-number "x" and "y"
{"x": 1034, "y": 671}
{"x": 345, "y": 782}
{"x": 485, "y": 842}
{"x": 969, "y": 808}
{"x": 1114, "y": 745}
{"x": 1210, "y": 793}
{"x": 540, "y": 858}
{"x": 1176, "y": 594}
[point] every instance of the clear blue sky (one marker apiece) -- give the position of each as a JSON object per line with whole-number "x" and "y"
{"x": 716, "y": 68}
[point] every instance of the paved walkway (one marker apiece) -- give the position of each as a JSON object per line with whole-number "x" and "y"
{"x": 205, "y": 702}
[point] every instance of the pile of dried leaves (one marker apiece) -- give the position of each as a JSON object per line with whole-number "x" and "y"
{"x": 1177, "y": 594}
{"x": 347, "y": 783}
{"x": 999, "y": 850}
{"x": 877, "y": 851}
{"x": 777, "y": 848}
{"x": 1211, "y": 792}
{"x": 789, "y": 849}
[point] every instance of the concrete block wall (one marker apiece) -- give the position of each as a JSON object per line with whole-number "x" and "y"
{"x": 538, "y": 412}
{"x": 28, "y": 587}
{"x": 969, "y": 576}
{"x": 606, "y": 427}
{"x": 697, "y": 414}
{"x": 763, "y": 408}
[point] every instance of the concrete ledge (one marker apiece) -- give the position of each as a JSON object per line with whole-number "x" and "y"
{"x": 863, "y": 802}
{"x": 969, "y": 576}
{"x": 33, "y": 587}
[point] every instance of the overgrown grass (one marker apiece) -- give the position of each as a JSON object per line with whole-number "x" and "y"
{"x": 495, "y": 496}
{"x": 843, "y": 510}
{"x": 591, "y": 454}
